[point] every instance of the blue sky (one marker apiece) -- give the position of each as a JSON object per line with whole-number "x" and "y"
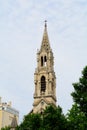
{"x": 21, "y": 30}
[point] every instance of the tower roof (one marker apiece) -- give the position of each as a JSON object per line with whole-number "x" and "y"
{"x": 45, "y": 40}
{"x": 14, "y": 122}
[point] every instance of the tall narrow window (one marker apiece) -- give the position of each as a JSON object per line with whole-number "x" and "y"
{"x": 43, "y": 84}
{"x": 41, "y": 61}
{"x": 45, "y": 60}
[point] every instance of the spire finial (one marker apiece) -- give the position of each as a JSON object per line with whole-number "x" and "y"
{"x": 45, "y": 40}
{"x": 45, "y": 23}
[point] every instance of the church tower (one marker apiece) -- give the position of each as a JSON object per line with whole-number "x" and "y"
{"x": 44, "y": 76}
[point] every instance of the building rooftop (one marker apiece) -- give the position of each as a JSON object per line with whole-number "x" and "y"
{"x": 8, "y": 107}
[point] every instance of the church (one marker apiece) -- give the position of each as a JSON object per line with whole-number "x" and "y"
{"x": 44, "y": 76}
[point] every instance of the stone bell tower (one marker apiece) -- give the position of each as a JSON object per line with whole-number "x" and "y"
{"x": 44, "y": 76}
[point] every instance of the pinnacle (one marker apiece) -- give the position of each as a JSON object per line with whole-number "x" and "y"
{"x": 45, "y": 40}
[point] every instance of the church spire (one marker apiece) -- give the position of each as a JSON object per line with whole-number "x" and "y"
{"x": 45, "y": 40}
{"x": 44, "y": 76}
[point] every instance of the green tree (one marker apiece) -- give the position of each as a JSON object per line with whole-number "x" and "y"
{"x": 76, "y": 119}
{"x": 6, "y": 128}
{"x": 80, "y": 92}
{"x": 31, "y": 122}
{"x": 53, "y": 119}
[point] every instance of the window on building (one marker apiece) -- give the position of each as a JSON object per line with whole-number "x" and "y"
{"x": 43, "y": 84}
{"x": 41, "y": 61}
{"x": 45, "y": 60}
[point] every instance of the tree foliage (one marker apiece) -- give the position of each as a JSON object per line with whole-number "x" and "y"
{"x": 51, "y": 119}
{"x": 6, "y": 128}
{"x": 76, "y": 119}
{"x": 80, "y": 92}
{"x": 31, "y": 122}
{"x": 54, "y": 119}
{"x": 77, "y": 116}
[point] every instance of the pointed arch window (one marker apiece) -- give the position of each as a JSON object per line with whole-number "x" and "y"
{"x": 41, "y": 60}
{"x": 43, "y": 84}
{"x": 45, "y": 60}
